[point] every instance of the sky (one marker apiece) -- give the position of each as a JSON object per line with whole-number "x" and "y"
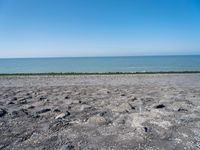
{"x": 79, "y": 28}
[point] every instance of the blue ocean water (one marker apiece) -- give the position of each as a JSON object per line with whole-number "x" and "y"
{"x": 101, "y": 64}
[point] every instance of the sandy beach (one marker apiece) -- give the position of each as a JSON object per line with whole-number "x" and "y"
{"x": 144, "y": 112}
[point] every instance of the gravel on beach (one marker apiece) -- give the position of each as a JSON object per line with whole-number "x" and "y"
{"x": 160, "y": 111}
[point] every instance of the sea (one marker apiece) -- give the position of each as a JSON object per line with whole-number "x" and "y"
{"x": 100, "y": 64}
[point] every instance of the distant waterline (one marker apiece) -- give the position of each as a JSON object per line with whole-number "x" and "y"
{"x": 101, "y": 64}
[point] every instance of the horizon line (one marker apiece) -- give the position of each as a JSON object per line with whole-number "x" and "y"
{"x": 39, "y": 57}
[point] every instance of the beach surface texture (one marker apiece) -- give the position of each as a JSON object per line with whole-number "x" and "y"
{"x": 144, "y": 112}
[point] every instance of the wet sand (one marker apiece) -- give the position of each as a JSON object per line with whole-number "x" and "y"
{"x": 100, "y": 112}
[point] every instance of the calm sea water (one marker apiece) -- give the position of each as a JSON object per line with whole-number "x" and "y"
{"x": 101, "y": 64}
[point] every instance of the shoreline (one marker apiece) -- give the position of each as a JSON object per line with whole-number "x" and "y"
{"x": 98, "y": 73}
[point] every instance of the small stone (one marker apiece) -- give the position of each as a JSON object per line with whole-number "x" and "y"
{"x": 97, "y": 120}
{"x": 56, "y": 110}
{"x": 66, "y": 97}
{"x": 182, "y": 110}
{"x": 11, "y": 103}
{"x": 14, "y": 98}
{"x": 31, "y": 107}
{"x": 60, "y": 116}
{"x": 43, "y": 110}
{"x": 23, "y": 101}
{"x": 103, "y": 113}
{"x": 14, "y": 113}
{"x": 67, "y": 113}
{"x": 145, "y": 129}
{"x": 29, "y": 97}
{"x": 19, "y": 113}
{"x": 121, "y": 120}
{"x": 132, "y": 107}
{"x": 124, "y": 107}
{"x": 2, "y": 112}
{"x": 134, "y": 98}
{"x": 42, "y": 98}
{"x": 123, "y": 94}
{"x": 25, "y": 111}
{"x": 84, "y": 107}
{"x": 160, "y": 106}
{"x": 67, "y": 147}
{"x": 35, "y": 115}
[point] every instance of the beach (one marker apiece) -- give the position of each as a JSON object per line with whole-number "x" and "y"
{"x": 133, "y": 111}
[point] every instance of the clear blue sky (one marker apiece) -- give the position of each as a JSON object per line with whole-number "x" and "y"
{"x": 53, "y": 28}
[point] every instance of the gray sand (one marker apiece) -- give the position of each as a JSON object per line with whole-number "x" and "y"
{"x": 100, "y": 112}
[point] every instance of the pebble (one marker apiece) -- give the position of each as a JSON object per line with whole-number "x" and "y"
{"x": 60, "y": 116}
{"x": 134, "y": 98}
{"x": 84, "y": 107}
{"x": 35, "y": 115}
{"x": 182, "y": 110}
{"x": 25, "y": 111}
{"x": 2, "y": 112}
{"x": 102, "y": 113}
{"x": 132, "y": 107}
{"x": 42, "y": 98}
{"x": 23, "y": 101}
{"x": 10, "y": 103}
{"x": 160, "y": 106}
{"x": 67, "y": 147}
{"x": 19, "y": 113}
{"x": 68, "y": 113}
{"x": 124, "y": 107}
{"x": 56, "y": 110}
{"x": 31, "y": 107}
{"x": 97, "y": 120}
{"x": 145, "y": 129}
{"x": 66, "y": 97}
{"x": 14, "y": 113}
{"x": 14, "y": 98}
{"x": 43, "y": 110}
